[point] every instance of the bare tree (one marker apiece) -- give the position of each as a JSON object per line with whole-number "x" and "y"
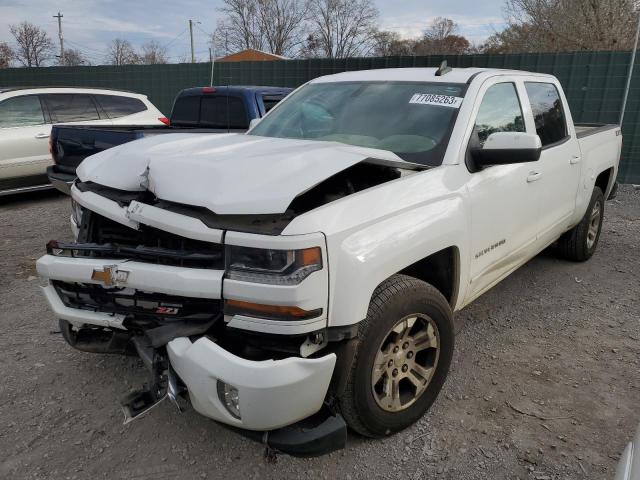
{"x": 241, "y": 27}
{"x": 386, "y": 43}
{"x": 74, "y": 58}
{"x": 283, "y": 24}
{"x": 33, "y": 45}
{"x": 6, "y": 55}
{"x": 440, "y": 28}
{"x": 276, "y": 26}
{"x": 120, "y": 52}
{"x": 566, "y": 25}
{"x": 441, "y": 38}
{"x": 154, "y": 53}
{"x": 341, "y": 28}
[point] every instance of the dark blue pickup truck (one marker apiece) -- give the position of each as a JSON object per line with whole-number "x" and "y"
{"x": 195, "y": 110}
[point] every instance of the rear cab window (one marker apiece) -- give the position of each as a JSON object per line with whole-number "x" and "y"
{"x": 548, "y": 112}
{"x": 186, "y": 110}
{"x": 116, "y": 106}
{"x": 223, "y": 112}
{"x": 210, "y": 111}
{"x": 21, "y": 111}
{"x": 71, "y": 107}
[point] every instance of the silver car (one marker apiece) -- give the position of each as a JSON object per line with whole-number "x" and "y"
{"x": 26, "y": 116}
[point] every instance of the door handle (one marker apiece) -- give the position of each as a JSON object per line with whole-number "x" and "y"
{"x": 574, "y": 159}
{"x": 42, "y": 135}
{"x": 533, "y": 176}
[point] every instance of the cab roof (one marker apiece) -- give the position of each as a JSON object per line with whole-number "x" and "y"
{"x": 455, "y": 75}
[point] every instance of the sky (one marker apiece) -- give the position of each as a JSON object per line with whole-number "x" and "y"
{"x": 89, "y": 25}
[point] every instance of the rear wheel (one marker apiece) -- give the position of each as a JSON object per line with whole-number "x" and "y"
{"x": 579, "y": 243}
{"x": 404, "y": 353}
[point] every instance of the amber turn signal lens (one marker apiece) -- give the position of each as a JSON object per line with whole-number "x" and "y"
{"x": 311, "y": 256}
{"x": 281, "y": 312}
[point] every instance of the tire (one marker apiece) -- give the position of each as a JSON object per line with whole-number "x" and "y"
{"x": 366, "y": 407}
{"x": 579, "y": 243}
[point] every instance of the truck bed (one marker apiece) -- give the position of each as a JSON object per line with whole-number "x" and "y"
{"x": 600, "y": 146}
{"x": 586, "y": 129}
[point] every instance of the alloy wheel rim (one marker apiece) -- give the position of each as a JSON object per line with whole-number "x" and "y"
{"x": 405, "y": 362}
{"x": 594, "y": 225}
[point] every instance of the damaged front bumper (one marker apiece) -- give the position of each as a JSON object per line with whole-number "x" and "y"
{"x": 269, "y": 394}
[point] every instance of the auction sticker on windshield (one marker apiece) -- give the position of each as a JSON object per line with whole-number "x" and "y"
{"x": 433, "y": 99}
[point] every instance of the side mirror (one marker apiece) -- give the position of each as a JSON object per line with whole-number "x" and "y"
{"x": 504, "y": 148}
{"x": 254, "y": 122}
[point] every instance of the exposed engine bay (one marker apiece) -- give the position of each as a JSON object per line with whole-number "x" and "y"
{"x": 354, "y": 179}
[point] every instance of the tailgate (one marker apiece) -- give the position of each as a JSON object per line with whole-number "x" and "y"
{"x": 70, "y": 145}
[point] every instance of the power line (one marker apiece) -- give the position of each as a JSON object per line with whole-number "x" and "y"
{"x": 206, "y": 33}
{"x": 175, "y": 38}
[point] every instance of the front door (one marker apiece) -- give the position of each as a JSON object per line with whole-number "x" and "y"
{"x": 504, "y": 198}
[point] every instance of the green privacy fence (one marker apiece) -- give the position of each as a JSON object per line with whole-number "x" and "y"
{"x": 594, "y": 82}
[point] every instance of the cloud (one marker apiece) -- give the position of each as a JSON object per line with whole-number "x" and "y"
{"x": 476, "y": 28}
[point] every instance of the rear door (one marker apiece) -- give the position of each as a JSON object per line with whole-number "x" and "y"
{"x": 24, "y": 139}
{"x": 559, "y": 164}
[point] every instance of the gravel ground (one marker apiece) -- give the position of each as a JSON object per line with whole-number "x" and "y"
{"x": 545, "y": 382}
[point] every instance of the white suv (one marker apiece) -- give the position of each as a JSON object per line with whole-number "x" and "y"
{"x": 26, "y": 116}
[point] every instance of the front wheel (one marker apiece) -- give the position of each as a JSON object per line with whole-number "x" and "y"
{"x": 404, "y": 354}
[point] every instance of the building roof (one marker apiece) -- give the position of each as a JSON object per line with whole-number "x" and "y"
{"x": 251, "y": 54}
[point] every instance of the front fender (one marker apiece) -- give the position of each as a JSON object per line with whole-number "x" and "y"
{"x": 360, "y": 260}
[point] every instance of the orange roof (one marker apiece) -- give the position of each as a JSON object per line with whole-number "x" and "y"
{"x": 250, "y": 54}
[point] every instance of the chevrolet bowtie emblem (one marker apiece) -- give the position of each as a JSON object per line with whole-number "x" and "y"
{"x": 110, "y": 275}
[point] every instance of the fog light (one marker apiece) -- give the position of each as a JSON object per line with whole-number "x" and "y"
{"x": 228, "y": 395}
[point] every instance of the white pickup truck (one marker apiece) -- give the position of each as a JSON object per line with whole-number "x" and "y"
{"x": 308, "y": 270}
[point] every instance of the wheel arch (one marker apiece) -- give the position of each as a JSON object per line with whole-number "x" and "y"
{"x": 604, "y": 180}
{"x": 440, "y": 269}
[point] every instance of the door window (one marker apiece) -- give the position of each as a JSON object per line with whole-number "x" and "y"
{"x": 271, "y": 101}
{"x": 64, "y": 108}
{"x": 500, "y": 111}
{"x": 117, "y": 106}
{"x": 21, "y": 112}
{"x": 551, "y": 125}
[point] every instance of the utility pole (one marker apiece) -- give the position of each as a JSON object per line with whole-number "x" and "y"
{"x": 193, "y": 57}
{"x": 59, "y": 17}
{"x": 630, "y": 74}
{"x": 211, "y": 59}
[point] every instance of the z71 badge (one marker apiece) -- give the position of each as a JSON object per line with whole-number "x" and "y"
{"x": 167, "y": 310}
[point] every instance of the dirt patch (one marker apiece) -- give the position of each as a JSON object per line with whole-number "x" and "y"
{"x": 545, "y": 381}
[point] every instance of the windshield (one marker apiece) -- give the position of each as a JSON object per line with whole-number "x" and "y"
{"x": 411, "y": 119}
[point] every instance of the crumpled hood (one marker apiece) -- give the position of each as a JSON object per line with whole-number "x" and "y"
{"x": 225, "y": 173}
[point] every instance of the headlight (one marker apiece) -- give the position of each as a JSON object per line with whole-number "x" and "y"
{"x": 76, "y": 212}
{"x": 279, "y": 267}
